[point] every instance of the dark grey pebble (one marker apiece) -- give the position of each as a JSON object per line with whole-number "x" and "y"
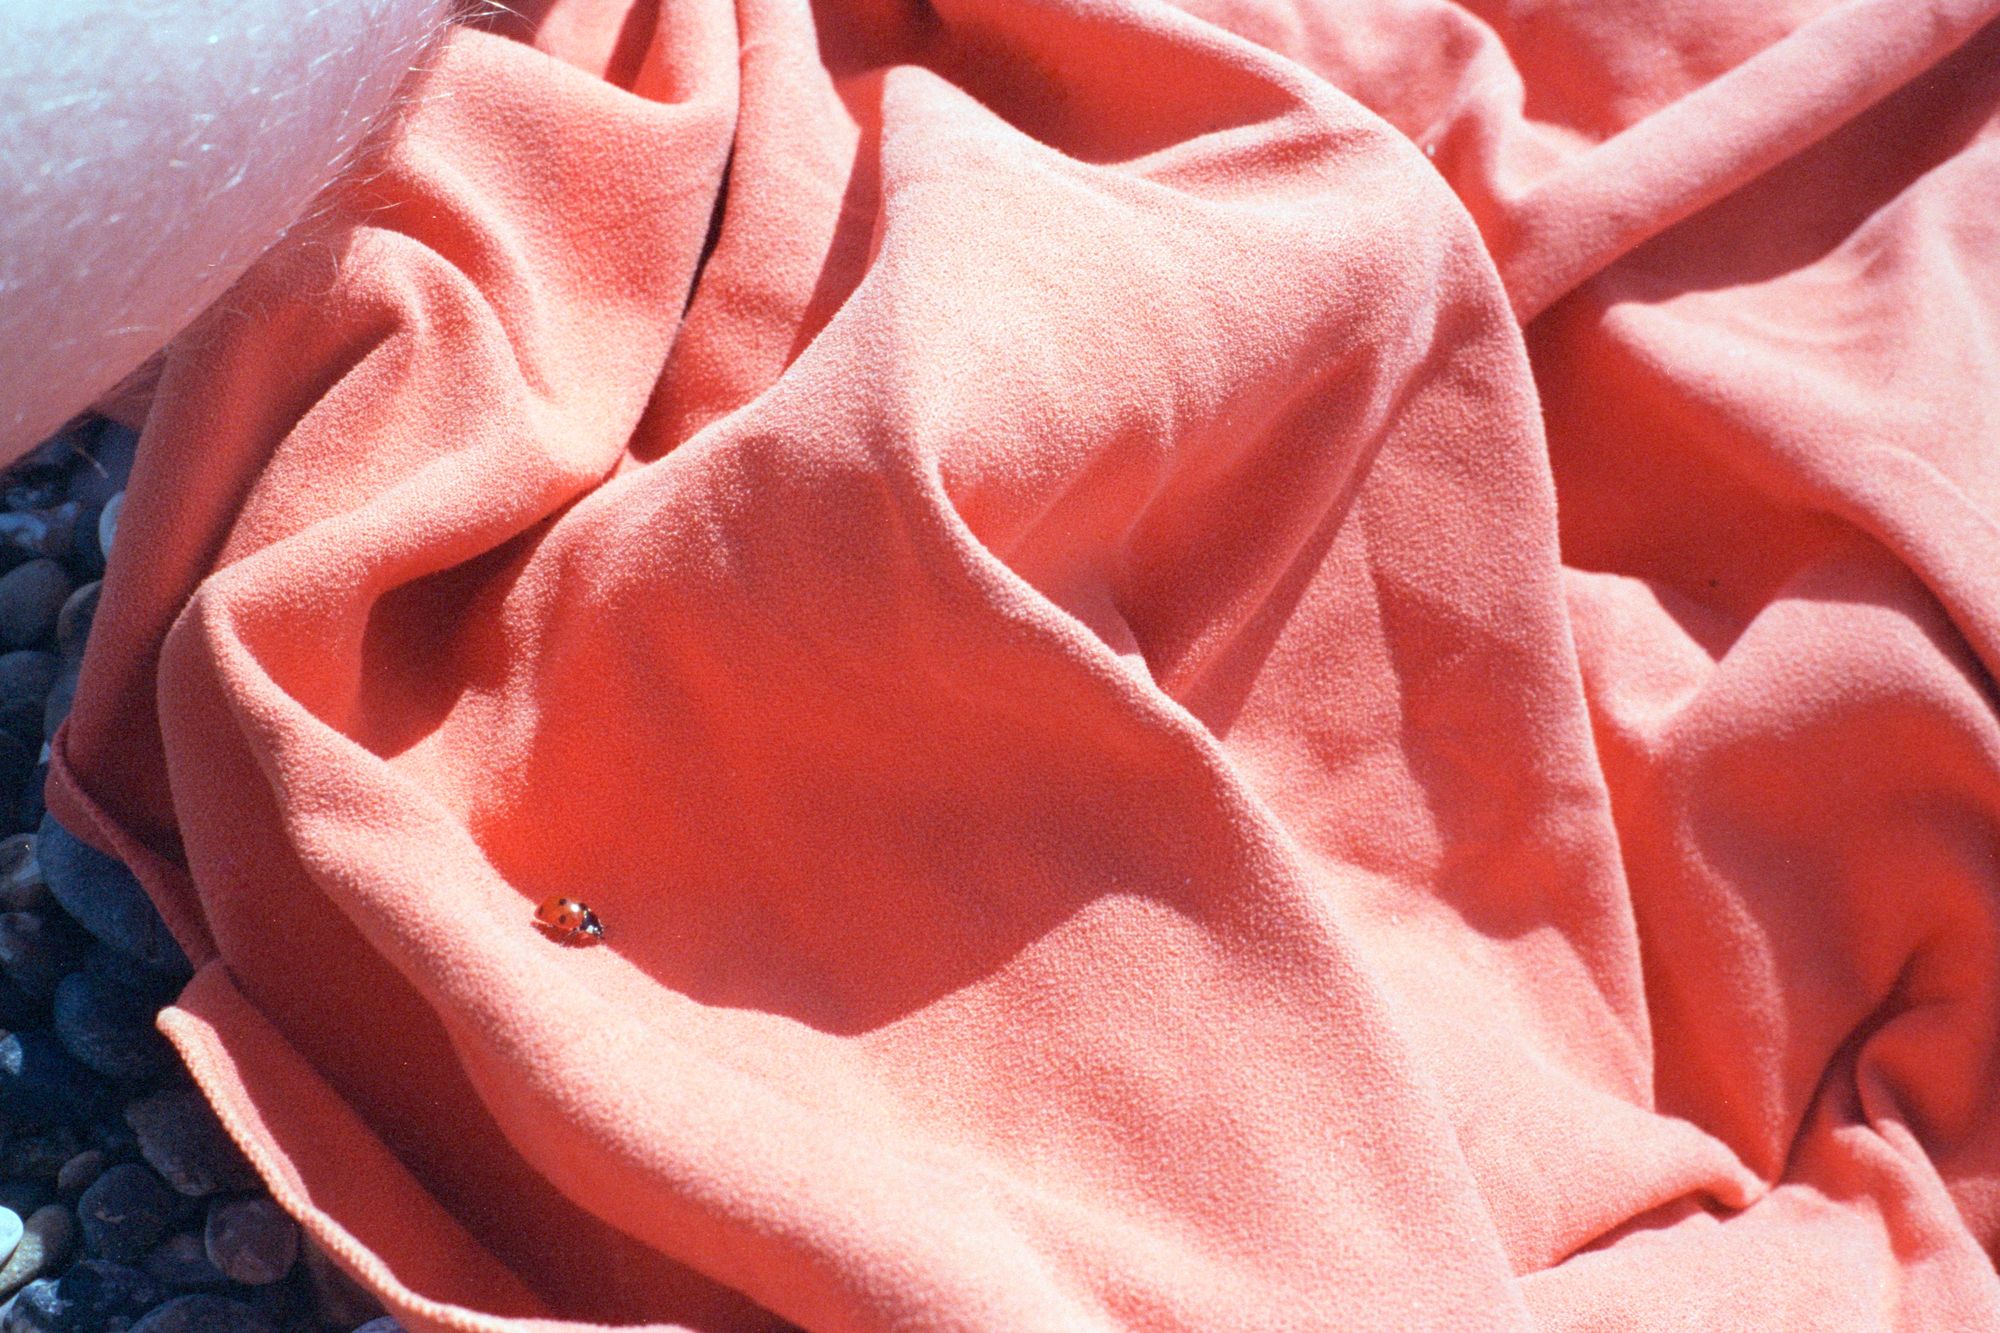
{"x": 49, "y": 532}
{"x": 98, "y": 1290}
{"x": 26, "y": 677}
{"x": 203, "y": 1313}
{"x": 39, "y": 1155}
{"x": 125, "y": 1212}
{"x": 40, "y": 1084}
{"x": 386, "y": 1324}
{"x": 110, "y": 1029}
{"x": 113, "y": 968}
{"x": 62, "y": 697}
{"x": 29, "y": 805}
{"x": 21, "y": 885}
{"x": 24, "y": 491}
{"x": 80, "y": 1172}
{"x": 36, "y": 1308}
{"x": 73, "y": 622}
{"x": 17, "y": 763}
{"x": 252, "y": 1240}
{"x": 105, "y": 898}
{"x": 179, "y": 1134}
{"x": 181, "y": 1261}
{"x": 101, "y": 475}
{"x": 38, "y": 949}
{"x": 31, "y": 596}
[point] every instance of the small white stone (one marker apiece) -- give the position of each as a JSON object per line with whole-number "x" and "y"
{"x": 10, "y": 1233}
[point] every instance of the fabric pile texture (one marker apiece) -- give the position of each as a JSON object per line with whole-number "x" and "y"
{"x": 1274, "y": 664}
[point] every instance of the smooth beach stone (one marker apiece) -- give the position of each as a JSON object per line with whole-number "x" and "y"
{"x": 23, "y": 492}
{"x": 80, "y": 1172}
{"x": 386, "y": 1324}
{"x": 106, "y": 965}
{"x": 96, "y": 1291}
{"x": 252, "y": 1240}
{"x": 181, "y": 1261}
{"x": 50, "y": 531}
{"x": 46, "y": 1239}
{"x": 17, "y": 766}
{"x": 180, "y": 1136}
{"x": 21, "y": 884}
{"x": 29, "y": 806}
{"x": 106, "y": 466}
{"x": 26, "y": 677}
{"x": 36, "y": 1308}
{"x": 107, "y": 523}
{"x": 73, "y": 622}
{"x": 105, "y": 899}
{"x": 62, "y": 697}
{"x": 203, "y": 1312}
{"x": 11, "y": 1230}
{"x": 39, "y": 1156}
{"x": 40, "y": 1084}
{"x": 31, "y": 596}
{"x": 110, "y": 1029}
{"x": 38, "y": 949}
{"x": 125, "y": 1212}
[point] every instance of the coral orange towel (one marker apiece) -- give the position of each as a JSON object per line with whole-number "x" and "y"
{"x": 1290, "y": 664}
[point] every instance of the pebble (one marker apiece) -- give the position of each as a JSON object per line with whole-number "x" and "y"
{"x": 125, "y": 1211}
{"x": 62, "y": 697}
{"x": 107, "y": 523}
{"x": 252, "y": 1240}
{"x": 31, "y": 596}
{"x": 181, "y": 1261}
{"x": 110, "y": 1029}
{"x": 21, "y": 885}
{"x": 26, "y": 677}
{"x": 94, "y": 480}
{"x": 97, "y": 1291}
{"x": 80, "y": 1171}
{"x": 40, "y": 1084}
{"x": 11, "y": 1230}
{"x": 46, "y": 1238}
{"x": 17, "y": 764}
{"x": 386, "y": 1324}
{"x": 37, "y": 950}
{"x": 73, "y": 622}
{"x": 49, "y": 531}
{"x": 27, "y": 493}
{"x": 203, "y": 1313}
{"x": 105, "y": 899}
{"x": 105, "y": 964}
{"x": 180, "y": 1136}
{"x": 36, "y": 1308}
{"x": 39, "y": 1156}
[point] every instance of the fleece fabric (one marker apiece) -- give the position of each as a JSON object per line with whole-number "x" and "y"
{"x": 1270, "y": 664}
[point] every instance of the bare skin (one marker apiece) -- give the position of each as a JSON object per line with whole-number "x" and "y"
{"x": 150, "y": 150}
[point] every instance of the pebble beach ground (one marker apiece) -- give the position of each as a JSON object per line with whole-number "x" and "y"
{"x": 124, "y": 1206}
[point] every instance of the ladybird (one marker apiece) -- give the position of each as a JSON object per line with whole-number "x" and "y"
{"x": 570, "y": 917}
